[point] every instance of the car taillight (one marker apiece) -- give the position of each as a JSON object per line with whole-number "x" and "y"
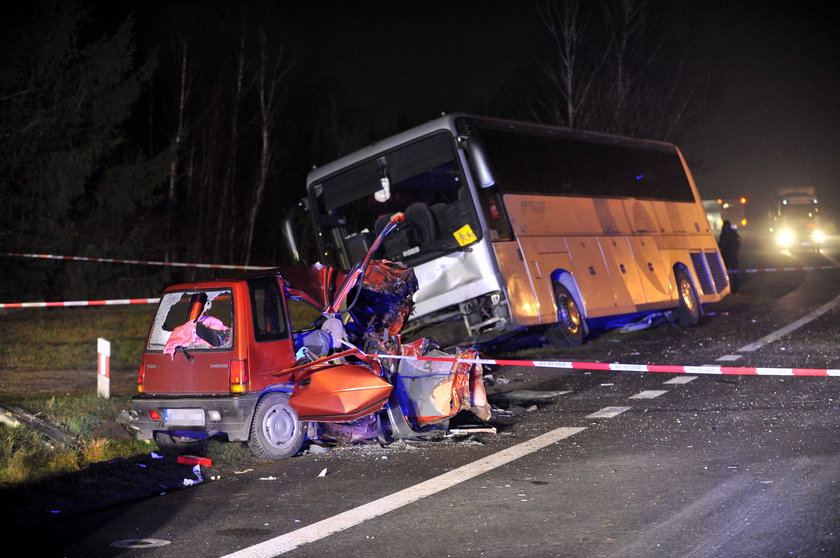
{"x": 239, "y": 376}
{"x": 141, "y": 377}
{"x": 154, "y": 415}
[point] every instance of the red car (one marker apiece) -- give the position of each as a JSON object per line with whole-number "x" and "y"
{"x": 224, "y": 358}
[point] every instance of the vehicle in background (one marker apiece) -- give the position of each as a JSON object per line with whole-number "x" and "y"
{"x": 795, "y": 219}
{"x": 733, "y": 210}
{"x": 513, "y": 226}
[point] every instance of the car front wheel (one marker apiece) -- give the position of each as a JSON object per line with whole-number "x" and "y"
{"x": 276, "y": 432}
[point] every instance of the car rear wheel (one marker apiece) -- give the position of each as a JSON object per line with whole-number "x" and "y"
{"x": 276, "y": 432}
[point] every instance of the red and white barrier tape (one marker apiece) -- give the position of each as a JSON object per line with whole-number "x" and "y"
{"x": 768, "y": 269}
{"x": 79, "y": 303}
{"x": 257, "y": 267}
{"x": 142, "y": 262}
{"x": 616, "y": 367}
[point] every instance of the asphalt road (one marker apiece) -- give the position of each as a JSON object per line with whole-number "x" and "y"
{"x": 594, "y": 464}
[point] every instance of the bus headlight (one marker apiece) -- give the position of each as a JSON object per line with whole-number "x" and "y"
{"x": 785, "y": 238}
{"x": 818, "y": 237}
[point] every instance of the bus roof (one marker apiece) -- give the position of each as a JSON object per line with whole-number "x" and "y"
{"x": 448, "y": 122}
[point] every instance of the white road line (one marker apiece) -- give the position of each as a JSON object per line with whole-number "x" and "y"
{"x": 779, "y": 333}
{"x": 608, "y": 412}
{"x": 730, "y": 357}
{"x": 649, "y": 394}
{"x": 351, "y": 518}
{"x": 681, "y": 380}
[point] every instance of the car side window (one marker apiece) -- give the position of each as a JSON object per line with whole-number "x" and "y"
{"x": 267, "y": 309}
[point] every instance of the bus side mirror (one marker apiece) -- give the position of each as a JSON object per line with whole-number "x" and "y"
{"x": 289, "y": 227}
{"x": 479, "y": 163}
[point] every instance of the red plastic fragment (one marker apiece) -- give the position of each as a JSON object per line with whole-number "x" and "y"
{"x": 195, "y": 460}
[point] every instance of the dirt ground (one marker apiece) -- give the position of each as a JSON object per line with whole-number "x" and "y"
{"x": 62, "y": 382}
{"x": 102, "y": 485}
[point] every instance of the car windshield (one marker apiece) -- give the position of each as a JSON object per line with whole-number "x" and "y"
{"x": 424, "y": 181}
{"x": 200, "y": 319}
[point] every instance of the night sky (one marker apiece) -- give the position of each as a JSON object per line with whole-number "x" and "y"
{"x": 772, "y": 117}
{"x": 776, "y": 118}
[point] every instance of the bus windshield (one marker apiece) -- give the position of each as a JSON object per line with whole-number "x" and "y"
{"x": 423, "y": 180}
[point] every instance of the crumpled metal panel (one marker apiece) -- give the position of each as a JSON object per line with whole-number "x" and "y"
{"x": 433, "y": 391}
{"x": 455, "y": 278}
{"x": 383, "y": 304}
{"x": 316, "y": 283}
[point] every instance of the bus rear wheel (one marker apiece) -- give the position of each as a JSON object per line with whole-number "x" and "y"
{"x": 688, "y": 313}
{"x": 569, "y": 329}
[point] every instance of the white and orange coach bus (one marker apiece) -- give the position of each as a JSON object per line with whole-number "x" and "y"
{"x": 513, "y": 226}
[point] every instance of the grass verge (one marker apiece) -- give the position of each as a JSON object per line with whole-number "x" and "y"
{"x": 65, "y": 338}
{"x": 43, "y": 480}
{"x": 104, "y": 465}
{"x": 26, "y": 455}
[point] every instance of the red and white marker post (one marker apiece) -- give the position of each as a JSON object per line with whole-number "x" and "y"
{"x": 103, "y": 375}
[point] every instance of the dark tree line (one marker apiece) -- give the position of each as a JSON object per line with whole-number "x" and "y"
{"x": 180, "y": 152}
{"x": 613, "y": 66}
{"x": 69, "y": 179}
{"x": 188, "y": 142}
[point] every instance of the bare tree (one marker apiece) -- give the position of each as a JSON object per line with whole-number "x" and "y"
{"x": 613, "y": 69}
{"x": 629, "y": 25}
{"x": 573, "y": 68}
{"x": 227, "y": 210}
{"x": 269, "y": 76}
{"x": 183, "y": 94}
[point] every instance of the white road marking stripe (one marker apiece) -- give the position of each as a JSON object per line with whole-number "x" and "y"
{"x": 729, "y": 357}
{"x": 649, "y": 394}
{"x": 681, "y": 380}
{"x": 779, "y": 333}
{"x": 351, "y": 518}
{"x": 608, "y": 412}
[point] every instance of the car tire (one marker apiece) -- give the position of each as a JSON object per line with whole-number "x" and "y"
{"x": 276, "y": 432}
{"x": 569, "y": 329}
{"x": 688, "y": 312}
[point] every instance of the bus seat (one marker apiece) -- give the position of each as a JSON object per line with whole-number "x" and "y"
{"x": 397, "y": 240}
{"x": 440, "y": 211}
{"x": 462, "y": 211}
{"x": 421, "y": 222}
{"x": 380, "y": 224}
{"x": 357, "y": 245}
